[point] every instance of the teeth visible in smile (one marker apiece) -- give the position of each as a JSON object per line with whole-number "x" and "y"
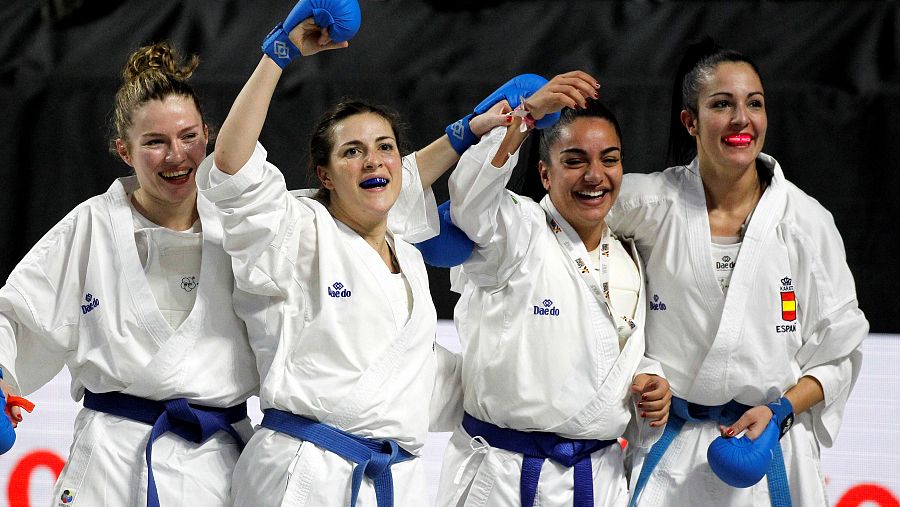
{"x": 175, "y": 174}
{"x": 598, "y": 193}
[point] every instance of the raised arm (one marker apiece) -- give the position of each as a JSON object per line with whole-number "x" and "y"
{"x": 542, "y": 109}
{"x": 298, "y": 34}
{"x": 451, "y": 247}
{"x": 439, "y": 156}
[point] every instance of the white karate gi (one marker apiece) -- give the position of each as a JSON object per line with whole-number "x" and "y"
{"x": 745, "y": 346}
{"x": 80, "y": 298}
{"x": 557, "y": 371}
{"x": 328, "y": 345}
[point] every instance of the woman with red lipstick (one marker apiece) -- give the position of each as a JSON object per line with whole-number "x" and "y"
{"x": 550, "y": 318}
{"x": 133, "y": 292}
{"x": 336, "y": 301}
{"x": 753, "y": 312}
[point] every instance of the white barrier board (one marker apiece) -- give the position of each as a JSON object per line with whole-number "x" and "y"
{"x": 862, "y": 469}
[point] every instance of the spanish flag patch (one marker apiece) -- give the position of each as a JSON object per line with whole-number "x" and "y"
{"x": 788, "y": 306}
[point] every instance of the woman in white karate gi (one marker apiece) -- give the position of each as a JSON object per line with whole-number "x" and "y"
{"x": 753, "y": 312}
{"x": 344, "y": 325}
{"x": 550, "y": 362}
{"x": 133, "y": 292}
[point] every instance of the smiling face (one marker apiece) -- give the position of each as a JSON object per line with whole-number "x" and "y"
{"x": 165, "y": 143}
{"x": 584, "y": 175}
{"x": 364, "y": 169}
{"x": 730, "y": 122}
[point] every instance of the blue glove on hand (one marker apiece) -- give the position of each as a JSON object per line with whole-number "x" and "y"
{"x": 513, "y": 91}
{"x": 741, "y": 462}
{"x": 341, "y": 17}
{"x": 517, "y": 88}
{"x": 451, "y": 247}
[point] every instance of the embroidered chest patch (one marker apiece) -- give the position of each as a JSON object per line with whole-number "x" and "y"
{"x": 67, "y": 497}
{"x": 788, "y": 301}
{"x": 92, "y": 302}
{"x": 546, "y": 308}
{"x": 338, "y": 290}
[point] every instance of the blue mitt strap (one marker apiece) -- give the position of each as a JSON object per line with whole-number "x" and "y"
{"x": 783, "y": 412}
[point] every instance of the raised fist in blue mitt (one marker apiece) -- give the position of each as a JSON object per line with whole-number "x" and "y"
{"x": 323, "y": 24}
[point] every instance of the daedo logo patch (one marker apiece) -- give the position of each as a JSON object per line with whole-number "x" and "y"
{"x": 546, "y": 308}
{"x": 337, "y": 290}
{"x": 92, "y": 302}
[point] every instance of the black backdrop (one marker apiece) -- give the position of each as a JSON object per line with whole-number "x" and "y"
{"x": 831, "y": 72}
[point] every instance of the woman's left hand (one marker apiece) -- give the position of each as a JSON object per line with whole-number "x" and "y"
{"x": 754, "y": 421}
{"x": 571, "y": 89}
{"x": 652, "y": 397}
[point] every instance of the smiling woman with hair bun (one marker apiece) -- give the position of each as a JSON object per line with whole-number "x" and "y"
{"x": 132, "y": 291}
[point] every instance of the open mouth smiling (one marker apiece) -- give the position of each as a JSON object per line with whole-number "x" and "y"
{"x": 588, "y": 196}
{"x": 177, "y": 175}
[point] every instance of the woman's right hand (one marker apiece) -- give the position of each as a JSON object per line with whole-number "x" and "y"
{"x": 571, "y": 89}
{"x": 311, "y": 39}
{"x": 496, "y": 116}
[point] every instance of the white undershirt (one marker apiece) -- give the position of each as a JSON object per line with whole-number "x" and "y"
{"x": 171, "y": 261}
{"x": 724, "y": 250}
{"x": 399, "y": 295}
{"x": 624, "y": 280}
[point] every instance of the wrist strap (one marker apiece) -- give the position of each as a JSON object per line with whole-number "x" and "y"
{"x": 278, "y": 46}
{"x": 461, "y": 135}
{"x": 783, "y": 413}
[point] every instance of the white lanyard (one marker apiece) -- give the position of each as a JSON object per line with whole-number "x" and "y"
{"x": 567, "y": 237}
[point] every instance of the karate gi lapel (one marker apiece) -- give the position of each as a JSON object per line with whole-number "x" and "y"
{"x": 171, "y": 344}
{"x": 712, "y": 381}
{"x": 370, "y": 264}
{"x": 625, "y": 361}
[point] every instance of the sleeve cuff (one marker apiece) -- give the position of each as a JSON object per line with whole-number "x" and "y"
{"x": 649, "y": 367}
{"x": 415, "y": 215}
{"x": 216, "y": 185}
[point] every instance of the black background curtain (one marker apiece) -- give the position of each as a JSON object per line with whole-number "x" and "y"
{"x": 831, "y": 72}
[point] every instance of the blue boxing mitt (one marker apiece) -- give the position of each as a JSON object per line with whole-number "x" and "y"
{"x": 341, "y": 17}
{"x": 517, "y": 88}
{"x": 451, "y": 247}
{"x": 741, "y": 462}
{"x": 513, "y": 91}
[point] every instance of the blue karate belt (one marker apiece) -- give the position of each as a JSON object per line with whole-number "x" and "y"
{"x": 373, "y": 458}
{"x": 683, "y": 411}
{"x": 535, "y": 447}
{"x": 191, "y": 422}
